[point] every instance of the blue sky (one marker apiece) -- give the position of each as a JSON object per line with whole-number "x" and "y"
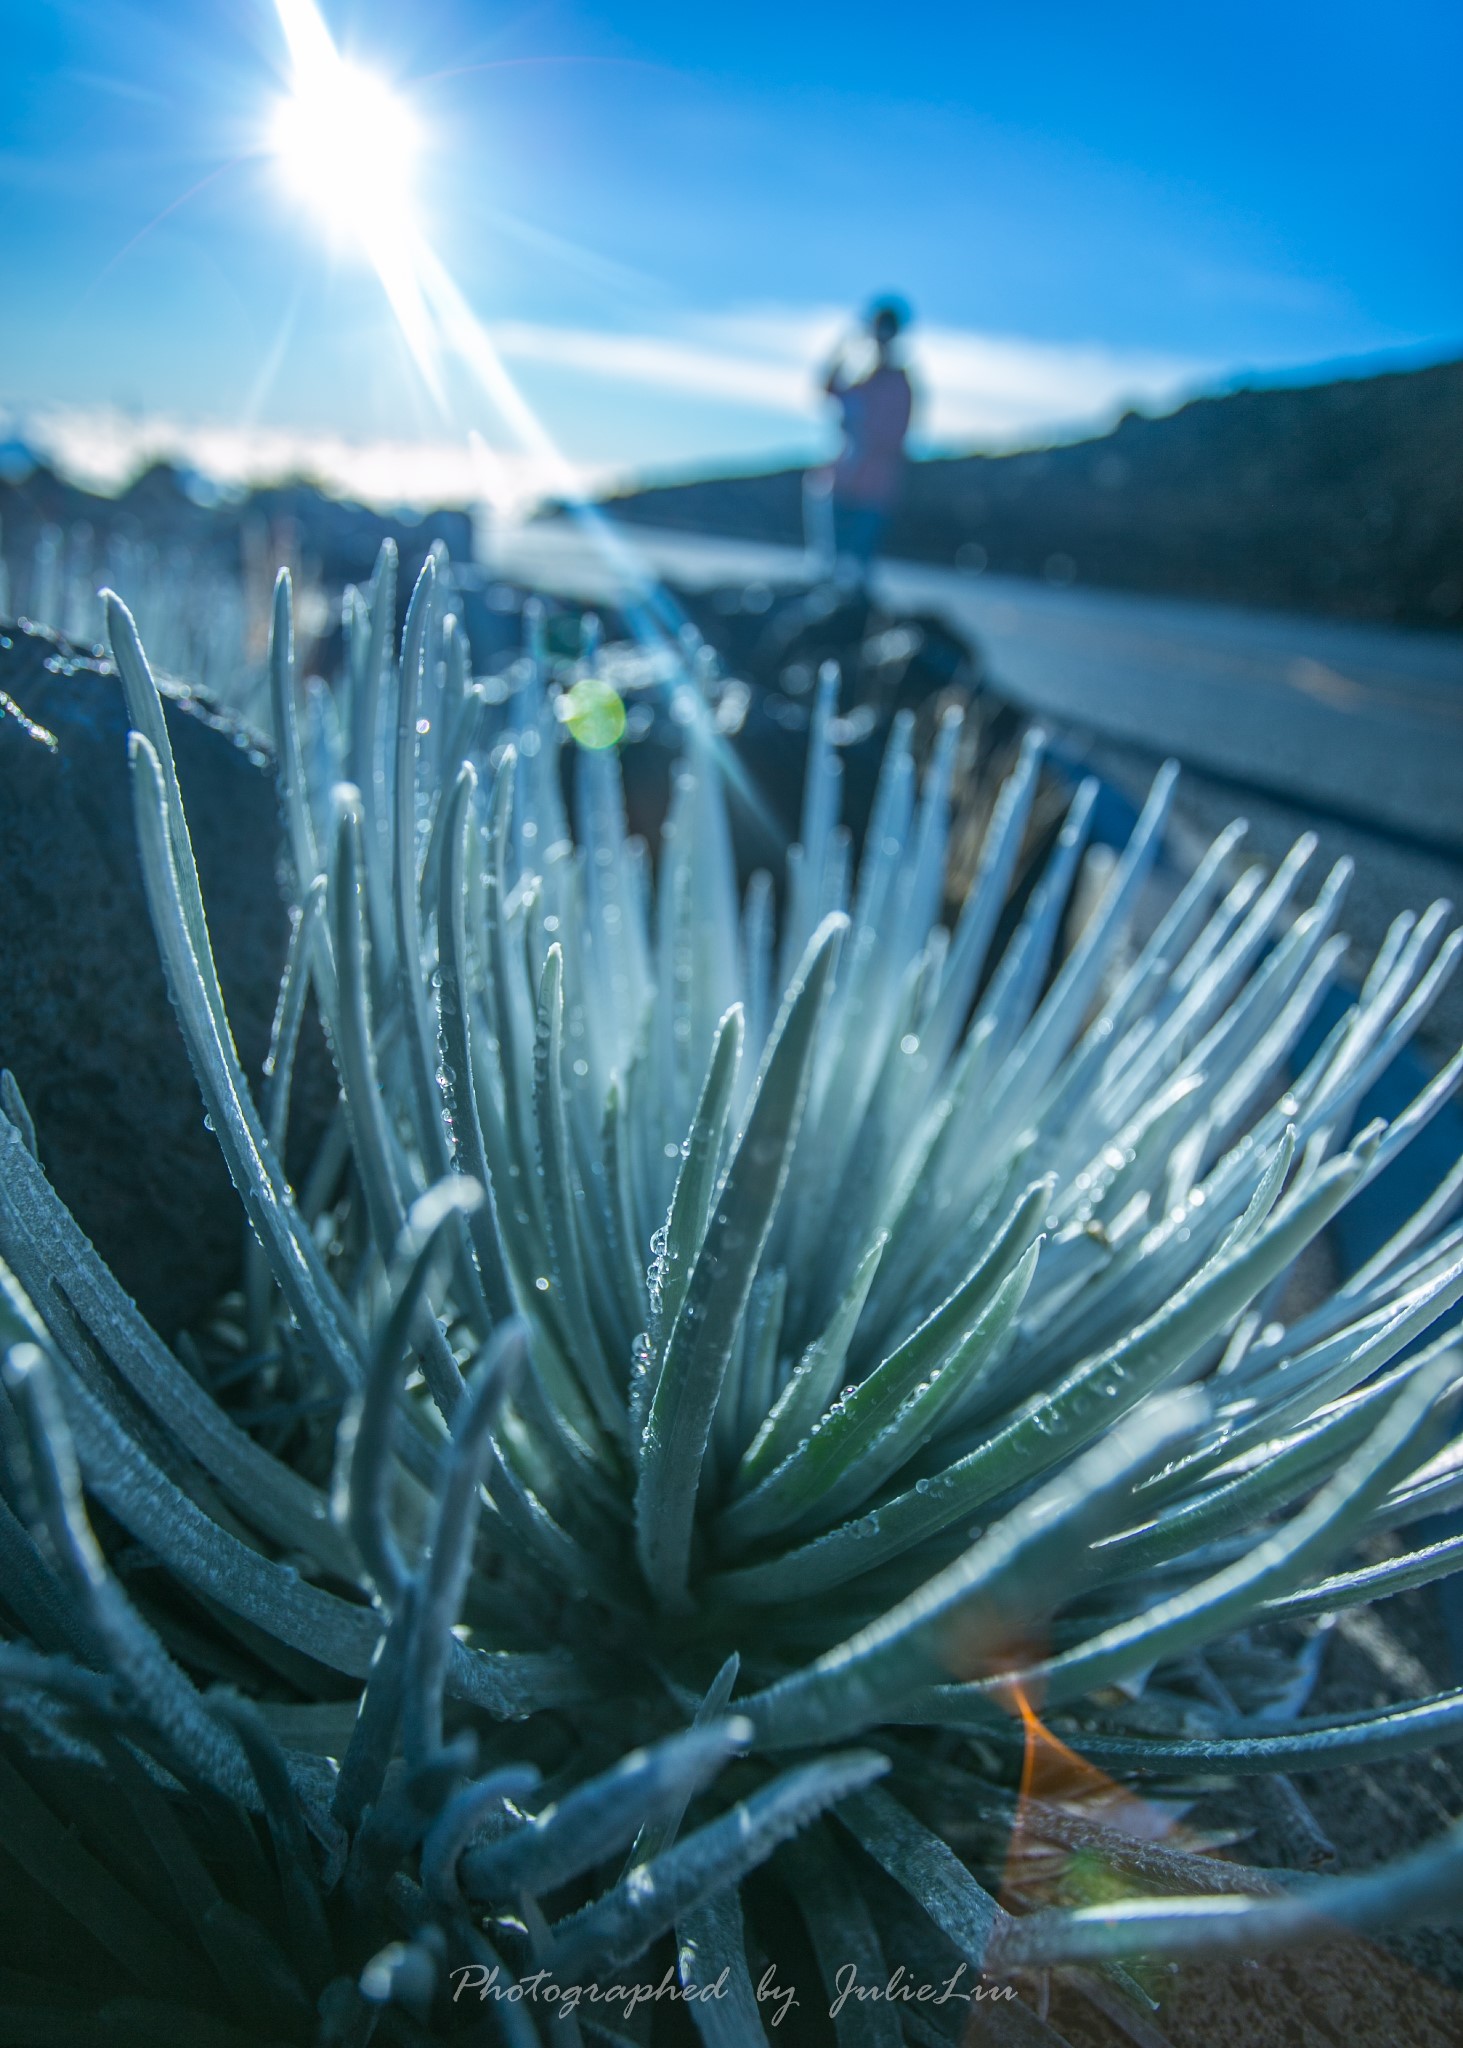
{"x": 661, "y": 214}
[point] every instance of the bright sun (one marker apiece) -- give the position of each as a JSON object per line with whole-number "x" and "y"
{"x": 345, "y": 141}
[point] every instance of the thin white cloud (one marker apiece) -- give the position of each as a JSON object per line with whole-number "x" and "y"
{"x": 661, "y": 362}
{"x": 1002, "y": 386}
{"x": 975, "y": 386}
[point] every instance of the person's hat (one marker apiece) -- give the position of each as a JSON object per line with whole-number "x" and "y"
{"x": 888, "y": 315}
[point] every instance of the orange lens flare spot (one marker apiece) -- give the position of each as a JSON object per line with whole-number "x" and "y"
{"x": 1039, "y": 1870}
{"x": 1049, "y": 1769}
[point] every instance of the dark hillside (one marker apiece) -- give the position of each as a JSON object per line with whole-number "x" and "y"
{"x": 1344, "y": 498}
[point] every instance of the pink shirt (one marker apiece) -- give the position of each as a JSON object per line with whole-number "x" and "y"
{"x": 875, "y": 422}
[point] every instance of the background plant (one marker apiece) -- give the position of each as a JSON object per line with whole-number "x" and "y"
{"x": 778, "y": 1331}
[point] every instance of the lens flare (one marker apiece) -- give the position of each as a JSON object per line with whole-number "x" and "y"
{"x": 1045, "y": 1866}
{"x": 347, "y": 143}
{"x": 594, "y": 712}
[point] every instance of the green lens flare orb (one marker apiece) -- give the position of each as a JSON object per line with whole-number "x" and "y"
{"x": 594, "y": 712}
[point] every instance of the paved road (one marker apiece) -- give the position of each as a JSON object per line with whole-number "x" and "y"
{"x": 1362, "y": 723}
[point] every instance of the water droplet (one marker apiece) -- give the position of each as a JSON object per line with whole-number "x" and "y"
{"x": 655, "y": 1274}
{"x": 542, "y": 1284}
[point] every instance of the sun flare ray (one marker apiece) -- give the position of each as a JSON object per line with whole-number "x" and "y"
{"x": 346, "y": 142}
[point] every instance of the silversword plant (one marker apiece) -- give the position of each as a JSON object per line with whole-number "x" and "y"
{"x": 736, "y": 1361}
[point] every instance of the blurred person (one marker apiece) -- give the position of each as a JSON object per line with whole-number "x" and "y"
{"x": 848, "y": 506}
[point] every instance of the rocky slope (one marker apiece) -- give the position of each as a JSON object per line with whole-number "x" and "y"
{"x": 1344, "y": 498}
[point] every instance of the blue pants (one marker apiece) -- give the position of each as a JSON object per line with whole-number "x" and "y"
{"x": 857, "y": 531}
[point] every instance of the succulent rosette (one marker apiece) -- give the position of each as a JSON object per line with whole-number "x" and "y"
{"x": 739, "y": 1358}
